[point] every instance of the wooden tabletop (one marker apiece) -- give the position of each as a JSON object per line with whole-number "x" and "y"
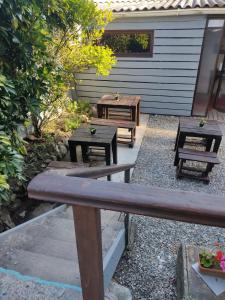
{"x": 104, "y": 134}
{"x": 192, "y": 126}
{"x": 123, "y": 100}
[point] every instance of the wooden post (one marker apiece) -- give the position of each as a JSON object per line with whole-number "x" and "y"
{"x": 87, "y": 222}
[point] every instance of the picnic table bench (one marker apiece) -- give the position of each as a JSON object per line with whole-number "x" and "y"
{"x": 210, "y": 158}
{"x": 124, "y": 139}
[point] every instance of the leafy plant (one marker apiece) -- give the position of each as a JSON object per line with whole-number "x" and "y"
{"x": 11, "y": 166}
{"x": 42, "y": 44}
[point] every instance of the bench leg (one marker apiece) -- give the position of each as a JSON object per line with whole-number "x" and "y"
{"x": 132, "y": 137}
{"x": 179, "y": 168}
{"x": 108, "y": 158}
{"x": 84, "y": 150}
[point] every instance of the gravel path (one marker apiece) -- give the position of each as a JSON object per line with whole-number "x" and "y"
{"x": 149, "y": 269}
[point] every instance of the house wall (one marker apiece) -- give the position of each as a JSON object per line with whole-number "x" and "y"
{"x": 166, "y": 81}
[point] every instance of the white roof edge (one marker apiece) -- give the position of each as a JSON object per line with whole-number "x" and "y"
{"x": 172, "y": 12}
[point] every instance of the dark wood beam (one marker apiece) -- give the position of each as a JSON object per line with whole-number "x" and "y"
{"x": 87, "y": 222}
{"x": 131, "y": 198}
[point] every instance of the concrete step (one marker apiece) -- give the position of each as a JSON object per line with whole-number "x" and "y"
{"x": 42, "y": 266}
{"x": 46, "y": 247}
{"x": 51, "y": 247}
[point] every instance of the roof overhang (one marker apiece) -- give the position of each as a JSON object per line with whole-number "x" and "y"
{"x": 170, "y": 12}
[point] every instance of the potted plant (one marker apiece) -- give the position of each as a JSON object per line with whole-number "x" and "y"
{"x": 202, "y": 122}
{"x": 212, "y": 262}
{"x": 92, "y": 130}
{"x": 116, "y": 96}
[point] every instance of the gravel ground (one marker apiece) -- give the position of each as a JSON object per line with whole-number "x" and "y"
{"x": 149, "y": 268}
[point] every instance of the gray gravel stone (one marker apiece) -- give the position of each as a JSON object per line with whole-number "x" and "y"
{"x": 149, "y": 268}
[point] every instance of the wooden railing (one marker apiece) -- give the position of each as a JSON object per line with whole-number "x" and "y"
{"x": 88, "y": 196}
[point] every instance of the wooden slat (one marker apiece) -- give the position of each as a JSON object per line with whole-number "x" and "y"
{"x": 177, "y": 42}
{"x": 139, "y": 78}
{"x": 134, "y": 85}
{"x": 150, "y": 24}
{"x": 157, "y": 64}
{"x": 164, "y": 57}
{"x": 176, "y": 33}
{"x": 118, "y": 123}
{"x": 148, "y": 72}
{"x": 132, "y": 198}
{"x": 200, "y": 156}
{"x": 145, "y": 99}
{"x": 86, "y": 90}
{"x": 178, "y": 49}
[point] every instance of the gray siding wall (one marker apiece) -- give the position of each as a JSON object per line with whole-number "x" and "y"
{"x": 165, "y": 82}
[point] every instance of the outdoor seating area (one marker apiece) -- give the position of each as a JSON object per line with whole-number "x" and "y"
{"x": 208, "y": 135}
{"x": 112, "y": 150}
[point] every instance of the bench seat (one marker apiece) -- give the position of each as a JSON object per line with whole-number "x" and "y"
{"x": 209, "y": 158}
{"x": 130, "y": 125}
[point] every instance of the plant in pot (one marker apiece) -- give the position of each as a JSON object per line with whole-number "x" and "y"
{"x": 116, "y": 96}
{"x": 212, "y": 262}
{"x": 202, "y": 122}
{"x": 92, "y": 130}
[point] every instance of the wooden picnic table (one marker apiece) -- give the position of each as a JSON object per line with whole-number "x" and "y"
{"x": 124, "y": 102}
{"x": 190, "y": 128}
{"x": 105, "y": 137}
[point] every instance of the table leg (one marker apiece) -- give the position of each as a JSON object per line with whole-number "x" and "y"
{"x": 134, "y": 114}
{"x": 108, "y": 158}
{"x": 84, "y": 150}
{"x": 114, "y": 148}
{"x": 178, "y": 132}
{"x": 99, "y": 110}
{"x": 209, "y": 142}
{"x": 217, "y": 144}
{"x": 73, "y": 151}
{"x": 138, "y": 114}
{"x": 180, "y": 144}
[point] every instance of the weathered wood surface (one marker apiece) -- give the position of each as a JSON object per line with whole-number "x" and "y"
{"x": 125, "y": 124}
{"x": 127, "y": 101}
{"x": 89, "y": 245}
{"x": 110, "y": 122}
{"x": 104, "y": 134}
{"x": 200, "y": 156}
{"x": 123, "y": 103}
{"x": 150, "y": 201}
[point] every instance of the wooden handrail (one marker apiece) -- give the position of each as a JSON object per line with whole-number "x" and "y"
{"x": 93, "y": 172}
{"x": 133, "y": 198}
{"x": 88, "y": 196}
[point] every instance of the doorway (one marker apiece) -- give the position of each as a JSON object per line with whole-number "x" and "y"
{"x": 210, "y": 84}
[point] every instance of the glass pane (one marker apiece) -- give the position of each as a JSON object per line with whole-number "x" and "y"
{"x": 208, "y": 70}
{"x": 127, "y": 42}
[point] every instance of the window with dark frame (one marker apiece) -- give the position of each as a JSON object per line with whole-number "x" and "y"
{"x": 129, "y": 43}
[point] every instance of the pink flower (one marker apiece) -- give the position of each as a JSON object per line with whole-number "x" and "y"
{"x": 222, "y": 265}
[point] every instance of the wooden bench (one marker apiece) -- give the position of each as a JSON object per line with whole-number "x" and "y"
{"x": 124, "y": 139}
{"x": 210, "y": 158}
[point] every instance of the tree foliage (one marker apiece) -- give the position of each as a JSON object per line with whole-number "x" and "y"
{"x": 40, "y": 45}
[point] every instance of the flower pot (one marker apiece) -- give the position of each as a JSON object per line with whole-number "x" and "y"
{"x": 92, "y": 131}
{"x": 210, "y": 271}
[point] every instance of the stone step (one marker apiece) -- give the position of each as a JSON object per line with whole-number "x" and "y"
{"x": 51, "y": 247}
{"x": 42, "y": 266}
{"x": 46, "y": 247}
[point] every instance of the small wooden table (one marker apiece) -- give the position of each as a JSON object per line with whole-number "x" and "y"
{"x": 124, "y": 102}
{"x": 190, "y": 128}
{"x": 105, "y": 137}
